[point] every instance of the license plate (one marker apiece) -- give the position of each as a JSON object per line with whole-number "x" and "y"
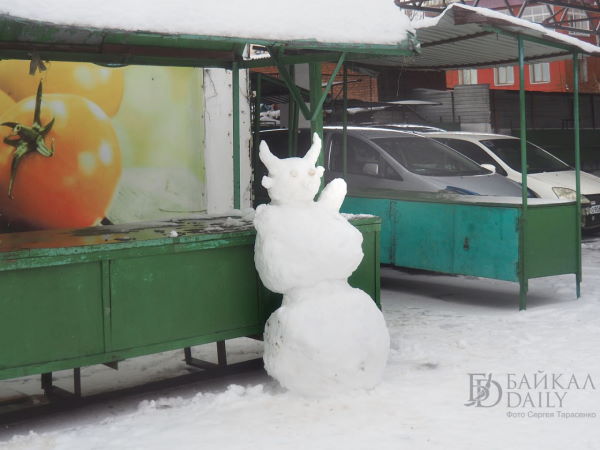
{"x": 594, "y": 209}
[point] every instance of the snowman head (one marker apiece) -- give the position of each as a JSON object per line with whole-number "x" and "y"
{"x": 292, "y": 181}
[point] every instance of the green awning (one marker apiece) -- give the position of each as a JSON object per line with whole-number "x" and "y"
{"x": 22, "y": 38}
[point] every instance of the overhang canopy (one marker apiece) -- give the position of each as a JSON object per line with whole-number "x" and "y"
{"x": 192, "y": 33}
{"x": 464, "y": 36}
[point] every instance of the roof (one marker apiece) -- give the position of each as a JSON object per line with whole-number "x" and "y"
{"x": 465, "y": 36}
{"x": 214, "y": 34}
{"x": 196, "y": 33}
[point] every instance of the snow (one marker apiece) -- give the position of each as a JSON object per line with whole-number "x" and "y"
{"x": 304, "y": 257}
{"x": 354, "y": 21}
{"x": 300, "y": 242}
{"x": 335, "y": 332}
{"x": 306, "y": 250}
{"x": 442, "y": 328}
{"x": 486, "y": 12}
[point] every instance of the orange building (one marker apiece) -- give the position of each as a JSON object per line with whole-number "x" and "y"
{"x": 555, "y": 76}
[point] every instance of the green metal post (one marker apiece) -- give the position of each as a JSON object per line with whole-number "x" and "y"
{"x": 577, "y": 167}
{"x": 235, "y": 85}
{"x": 293, "y": 112}
{"x": 316, "y": 120}
{"x": 287, "y": 79}
{"x": 317, "y": 108}
{"x": 294, "y": 128}
{"x": 345, "y": 123}
{"x": 256, "y": 125}
{"x": 257, "y": 102}
{"x": 523, "y": 281}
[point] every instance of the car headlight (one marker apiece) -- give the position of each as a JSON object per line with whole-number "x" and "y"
{"x": 568, "y": 194}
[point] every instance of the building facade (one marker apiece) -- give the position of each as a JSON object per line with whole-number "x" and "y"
{"x": 554, "y": 76}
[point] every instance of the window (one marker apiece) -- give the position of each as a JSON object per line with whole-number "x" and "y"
{"x": 467, "y": 76}
{"x": 504, "y": 75}
{"x": 472, "y": 151}
{"x": 539, "y": 73}
{"x": 536, "y": 14}
{"x": 578, "y": 19}
{"x": 361, "y": 159}
{"x": 538, "y": 160}
{"x": 428, "y": 157}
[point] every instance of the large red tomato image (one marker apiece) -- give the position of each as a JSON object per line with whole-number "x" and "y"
{"x": 67, "y": 177}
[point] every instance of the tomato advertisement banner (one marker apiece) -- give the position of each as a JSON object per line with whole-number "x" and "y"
{"x": 84, "y": 145}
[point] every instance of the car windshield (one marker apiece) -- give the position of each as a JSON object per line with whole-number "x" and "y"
{"x": 427, "y": 157}
{"x": 538, "y": 160}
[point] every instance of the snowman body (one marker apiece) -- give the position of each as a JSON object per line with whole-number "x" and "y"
{"x": 327, "y": 336}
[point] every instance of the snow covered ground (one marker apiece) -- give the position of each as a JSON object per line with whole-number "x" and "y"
{"x": 442, "y": 329}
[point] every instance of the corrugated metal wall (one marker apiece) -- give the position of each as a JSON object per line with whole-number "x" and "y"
{"x": 545, "y": 110}
{"x": 468, "y": 105}
{"x": 472, "y": 105}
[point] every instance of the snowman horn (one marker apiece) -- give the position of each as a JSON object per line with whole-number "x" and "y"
{"x": 312, "y": 155}
{"x": 268, "y": 159}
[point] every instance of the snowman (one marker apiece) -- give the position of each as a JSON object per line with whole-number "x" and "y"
{"x": 327, "y": 337}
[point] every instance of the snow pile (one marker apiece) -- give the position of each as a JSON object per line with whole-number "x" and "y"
{"x": 327, "y": 337}
{"x": 377, "y": 22}
{"x": 443, "y": 328}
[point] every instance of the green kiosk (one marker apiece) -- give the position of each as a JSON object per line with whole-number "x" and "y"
{"x": 77, "y": 297}
{"x": 512, "y": 239}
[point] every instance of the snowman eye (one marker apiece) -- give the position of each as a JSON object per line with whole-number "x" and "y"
{"x": 312, "y": 172}
{"x": 294, "y": 173}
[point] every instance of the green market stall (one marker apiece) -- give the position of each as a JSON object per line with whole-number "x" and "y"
{"x": 507, "y": 239}
{"x": 495, "y": 238}
{"x": 473, "y": 235}
{"x": 76, "y": 297}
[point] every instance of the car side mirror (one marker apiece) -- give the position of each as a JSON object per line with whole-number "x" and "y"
{"x": 371, "y": 168}
{"x": 490, "y": 167}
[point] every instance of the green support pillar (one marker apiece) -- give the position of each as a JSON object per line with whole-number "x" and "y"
{"x": 577, "y": 166}
{"x": 316, "y": 91}
{"x": 345, "y": 123}
{"x": 235, "y": 85}
{"x": 293, "y": 116}
{"x": 523, "y": 280}
{"x": 257, "y": 102}
{"x": 256, "y": 125}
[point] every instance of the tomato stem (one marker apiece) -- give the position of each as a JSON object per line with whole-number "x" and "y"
{"x": 27, "y": 140}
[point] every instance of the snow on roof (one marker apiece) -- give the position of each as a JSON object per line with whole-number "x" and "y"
{"x": 465, "y": 36}
{"x": 521, "y": 25}
{"x": 379, "y": 22}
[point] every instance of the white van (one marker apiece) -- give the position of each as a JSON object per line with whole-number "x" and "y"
{"x": 547, "y": 176}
